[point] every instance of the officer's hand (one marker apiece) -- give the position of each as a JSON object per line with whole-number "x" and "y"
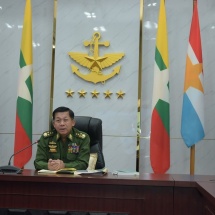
{"x": 53, "y": 164}
{"x": 62, "y": 165}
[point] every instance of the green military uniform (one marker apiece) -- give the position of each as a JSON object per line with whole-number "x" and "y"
{"x": 75, "y": 152}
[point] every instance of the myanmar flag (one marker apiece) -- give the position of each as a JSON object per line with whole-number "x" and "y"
{"x": 160, "y": 134}
{"x": 23, "y": 128}
{"x": 192, "y": 123}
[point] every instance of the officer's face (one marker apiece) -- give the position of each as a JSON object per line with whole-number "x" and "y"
{"x": 63, "y": 123}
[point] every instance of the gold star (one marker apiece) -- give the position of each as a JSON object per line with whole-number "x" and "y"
{"x": 69, "y": 93}
{"x": 95, "y": 93}
{"x": 192, "y": 76}
{"x": 107, "y": 93}
{"x": 82, "y": 93}
{"x": 120, "y": 94}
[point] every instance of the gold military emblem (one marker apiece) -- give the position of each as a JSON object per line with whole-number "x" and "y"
{"x": 94, "y": 62}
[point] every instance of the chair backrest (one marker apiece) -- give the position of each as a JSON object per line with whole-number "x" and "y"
{"x": 93, "y": 127}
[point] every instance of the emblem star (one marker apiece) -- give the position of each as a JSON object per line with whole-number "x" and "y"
{"x": 82, "y": 93}
{"x": 107, "y": 93}
{"x": 120, "y": 94}
{"x": 161, "y": 88}
{"x": 69, "y": 93}
{"x": 95, "y": 93}
{"x": 192, "y": 77}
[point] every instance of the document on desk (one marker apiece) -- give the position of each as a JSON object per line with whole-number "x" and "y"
{"x": 47, "y": 171}
{"x": 125, "y": 173}
{"x": 60, "y": 171}
{"x": 91, "y": 172}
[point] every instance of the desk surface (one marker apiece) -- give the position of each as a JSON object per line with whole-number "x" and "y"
{"x": 183, "y": 180}
{"x": 207, "y": 189}
{"x": 142, "y": 179}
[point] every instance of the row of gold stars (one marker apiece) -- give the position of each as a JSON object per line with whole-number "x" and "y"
{"x": 95, "y": 93}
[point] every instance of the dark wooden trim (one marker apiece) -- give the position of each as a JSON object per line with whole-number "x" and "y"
{"x": 147, "y": 194}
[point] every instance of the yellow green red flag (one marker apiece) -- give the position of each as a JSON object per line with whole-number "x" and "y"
{"x": 24, "y": 105}
{"x": 160, "y": 134}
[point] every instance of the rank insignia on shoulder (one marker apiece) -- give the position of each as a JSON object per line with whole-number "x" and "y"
{"x": 48, "y": 134}
{"x": 81, "y": 135}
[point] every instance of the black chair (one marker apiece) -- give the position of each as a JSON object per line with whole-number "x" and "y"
{"x": 93, "y": 127}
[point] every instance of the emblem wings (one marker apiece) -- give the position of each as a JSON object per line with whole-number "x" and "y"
{"x": 103, "y": 62}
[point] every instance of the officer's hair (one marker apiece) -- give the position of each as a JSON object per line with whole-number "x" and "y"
{"x": 63, "y": 109}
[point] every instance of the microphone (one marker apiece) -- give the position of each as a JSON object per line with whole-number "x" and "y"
{"x": 14, "y": 169}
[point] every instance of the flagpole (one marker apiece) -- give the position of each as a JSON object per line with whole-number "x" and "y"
{"x": 139, "y": 86}
{"x": 192, "y": 148}
{"x": 53, "y": 63}
{"x": 192, "y": 160}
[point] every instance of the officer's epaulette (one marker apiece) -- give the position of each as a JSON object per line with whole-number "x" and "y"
{"x": 48, "y": 134}
{"x": 81, "y": 135}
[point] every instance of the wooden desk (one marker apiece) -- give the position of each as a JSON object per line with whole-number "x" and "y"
{"x": 147, "y": 194}
{"x": 187, "y": 198}
{"x": 138, "y": 195}
{"x": 207, "y": 190}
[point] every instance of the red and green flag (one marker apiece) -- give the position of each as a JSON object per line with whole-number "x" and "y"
{"x": 160, "y": 134}
{"x": 24, "y": 105}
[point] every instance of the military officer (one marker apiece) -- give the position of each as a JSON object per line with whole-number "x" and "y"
{"x": 64, "y": 146}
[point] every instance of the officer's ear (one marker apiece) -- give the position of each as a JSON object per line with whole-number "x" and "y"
{"x": 73, "y": 122}
{"x": 52, "y": 124}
